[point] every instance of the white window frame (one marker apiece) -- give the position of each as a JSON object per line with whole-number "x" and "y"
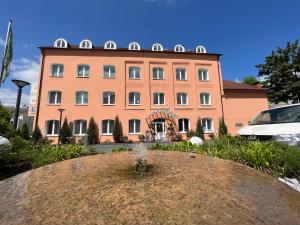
{"x": 86, "y": 69}
{"x": 157, "y": 47}
{"x": 80, "y": 127}
{"x": 135, "y": 98}
{"x": 155, "y": 76}
{"x": 55, "y": 123}
{"x": 61, "y": 43}
{"x": 110, "y": 45}
{"x": 158, "y": 98}
{"x": 86, "y": 44}
{"x": 107, "y": 127}
{"x": 181, "y": 98}
{"x": 82, "y": 98}
{"x": 60, "y": 67}
{"x": 200, "y": 49}
{"x": 135, "y": 73}
{"x": 56, "y": 97}
{"x": 185, "y": 129}
{"x": 204, "y": 102}
{"x": 179, "y": 48}
{"x": 109, "y": 98}
{"x": 200, "y": 74}
{"x": 205, "y": 125}
{"x": 134, "y": 46}
{"x": 135, "y": 121}
{"x": 181, "y": 74}
{"x": 110, "y": 76}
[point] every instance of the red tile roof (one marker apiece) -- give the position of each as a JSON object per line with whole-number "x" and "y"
{"x": 233, "y": 86}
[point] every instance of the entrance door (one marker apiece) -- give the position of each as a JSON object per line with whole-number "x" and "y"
{"x": 160, "y": 130}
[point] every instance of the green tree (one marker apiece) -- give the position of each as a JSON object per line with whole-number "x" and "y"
{"x": 223, "y": 131}
{"x": 281, "y": 74}
{"x": 6, "y": 127}
{"x": 37, "y": 135}
{"x": 250, "y": 80}
{"x": 92, "y": 132}
{"x": 199, "y": 129}
{"x": 65, "y": 132}
{"x": 24, "y": 132}
{"x": 118, "y": 130}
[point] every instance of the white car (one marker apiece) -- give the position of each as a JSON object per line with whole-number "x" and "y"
{"x": 4, "y": 141}
{"x": 281, "y": 124}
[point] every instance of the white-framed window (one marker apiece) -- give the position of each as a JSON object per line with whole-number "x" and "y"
{"x": 134, "y": 98}
{"x": 205, "y": 99}
{"x": 203, "y": 74}
{"x": 200, "y": 49}
{"x": 83, "y": 70}
{"x": 183, "y": 125}
{"x": 157, "y": 47}
{"x": 134, "y": 72}
{"x": 182, "y": 98}
{"x": 54, "y": 97}
{"x": 134, "y": 126}
{"x": 179, "y": 48}
{"x": 109, "y": 71}
{"x": 134, "y": 46}
{"x": 158, "y": 73}
{"x": 158, "y": 98}
{"x": 80, "y": 127}
{"x": 181, "y": 74}
{"x": 82, "y": 98}
{"x": 85, "y": 44}
{"x": 57, "y": 70}
{"x": 109, "y": 98}
{"x": 61, "y": 43}
{"x": 52, "y": 127}
{"x": 207, "y": 124}
{"x": 107, "y": 127}
{"x": 110, "y": 45}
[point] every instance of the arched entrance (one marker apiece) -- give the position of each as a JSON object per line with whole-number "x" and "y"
{"x": 162, "y": 125}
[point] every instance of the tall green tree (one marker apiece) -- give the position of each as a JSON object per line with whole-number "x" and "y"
{"x": 281, "y": 74}
{"x": 249, "y": 80}
{"x": 6, "y": 127}
{"x": 65, "y": 132}
{"x": 118, "y": 130}
{"x": 92, "y": 132}
{"x": 199, "y": 129}
{"x": 24, "y": 132}
{"x": 37, "y": 135}
{"x": 223, "y": 131}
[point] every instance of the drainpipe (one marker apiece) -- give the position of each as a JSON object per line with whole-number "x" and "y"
{"x": 40, "y": 89}
{"x": 220, "y": 86}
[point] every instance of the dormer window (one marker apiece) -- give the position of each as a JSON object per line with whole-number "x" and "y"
{"x": 134, "y": 46}
{"x": 61, "y": 43}
{"x": 179, "y": 48}
{"x": 157, "y": 47}
{"x": 110, "y": 45}
{"x": 200, "y": 49}
{"x": 86, "y": 44}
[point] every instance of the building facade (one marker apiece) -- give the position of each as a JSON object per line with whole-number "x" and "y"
{"x": 147, "y": 89}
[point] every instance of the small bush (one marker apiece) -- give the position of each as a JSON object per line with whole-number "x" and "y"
{"x": 24, "y": 132}
{"x": 65, "y": 132}
{"x": 37, "y": 135}
{"x": 223, "y": 131}
{"x": 118, "y": 130}
{"x": 141, "y": 137}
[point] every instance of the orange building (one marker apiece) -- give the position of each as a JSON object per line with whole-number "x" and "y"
{"x": 156, "y": 90}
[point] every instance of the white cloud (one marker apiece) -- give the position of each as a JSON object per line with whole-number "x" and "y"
{"x": 2, "y": 42}
{"x": 25, "y": 69}
{"x": 8, "y": 97}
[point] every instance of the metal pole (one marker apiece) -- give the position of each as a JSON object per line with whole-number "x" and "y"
{"x": 60, "y": 117}
{"x": 16, "y": 116}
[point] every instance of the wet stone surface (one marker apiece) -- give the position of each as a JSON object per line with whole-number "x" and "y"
{"x": 179, "y": 189}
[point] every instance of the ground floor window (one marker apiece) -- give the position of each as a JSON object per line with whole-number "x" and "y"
{"x": 80, "y": 127}
{"x": 107, "y": 126}
{"x": 207, "y": 124}
{"x": 183, "y": 125}
{"x": 52, "y": 127}
{"x": 134, "y": 126}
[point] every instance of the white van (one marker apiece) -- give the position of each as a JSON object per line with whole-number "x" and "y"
{"x": 280, "y": 124}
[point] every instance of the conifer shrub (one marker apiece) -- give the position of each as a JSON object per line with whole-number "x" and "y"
{"x": 118, "y": 130}
{"x": 24, "y": 132}
{"x": 65, "y": 132}
{"x": 37, "y": 135}
{"x": 199, "y": 129}
{"x": 223, "y": 131}
{"x": 92, "y": 132}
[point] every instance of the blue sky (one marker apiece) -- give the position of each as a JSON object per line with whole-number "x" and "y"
{"x": 244, "y": 31}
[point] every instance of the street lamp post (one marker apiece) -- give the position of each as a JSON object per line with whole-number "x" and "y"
{"x": 60, "y": 118}
{"x": 20, "y": 84}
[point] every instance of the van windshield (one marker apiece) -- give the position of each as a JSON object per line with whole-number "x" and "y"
{"x": 290, "y": 114}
